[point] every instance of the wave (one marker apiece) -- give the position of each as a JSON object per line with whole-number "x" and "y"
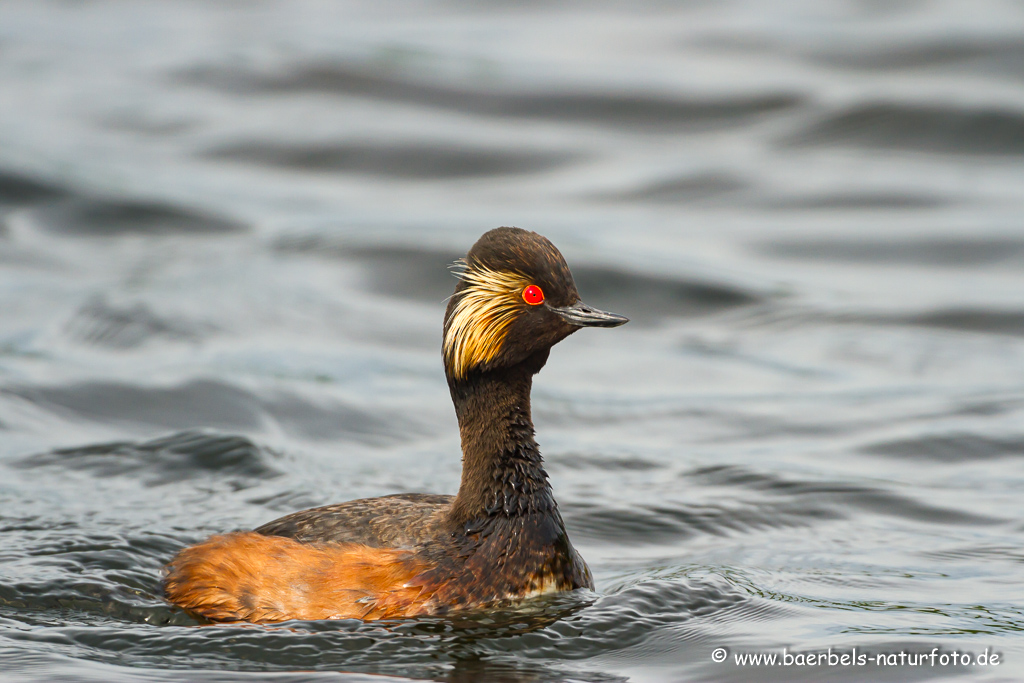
{"x": 208, "y": 403}
{"x": 985, "y": 54}
{"x": 636, "y": 110}
{"x": 946, "y": 252}
{"x": 165, "y": 460}
{"x": 390, "y": 160}
{"x": 103, "y": 217}
{"x": 687, "y": 189}
{"x": 1008, "y": 322}
{"x": 954, "y": 447}
{"x": 856, "y": 201}
{"x": 17, "y": 188}
{"x": 101, "y": 323}
{"x": 920, "y": 128}
{"x": 61, "y": 208}
{"x": 834, "y": 497}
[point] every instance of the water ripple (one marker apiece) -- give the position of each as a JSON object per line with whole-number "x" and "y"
{"x": 636, "y": 110}
{"x": 99, "y": 217}
{"x": 950, "y": 448}
{"x": 937, "y": 129}
{"x": 169, "y": 459}
{"x": 390, "y": 160}
{"x": 215, "y": 404}
{"x": 839, "y": 494}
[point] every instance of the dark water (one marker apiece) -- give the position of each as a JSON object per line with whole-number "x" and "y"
{"x": 223, "y": 236}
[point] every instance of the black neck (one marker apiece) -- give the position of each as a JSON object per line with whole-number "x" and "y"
{"x": 502, "y": 470}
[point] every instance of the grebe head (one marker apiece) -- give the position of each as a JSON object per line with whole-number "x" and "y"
{"x": 515, "y": 299}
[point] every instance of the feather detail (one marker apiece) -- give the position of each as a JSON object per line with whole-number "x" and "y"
{"x": 475, "y": 332}
{"x": 247, "y": 576}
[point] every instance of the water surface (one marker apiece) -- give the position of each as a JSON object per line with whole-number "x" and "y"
{"x": 224, "y": 232}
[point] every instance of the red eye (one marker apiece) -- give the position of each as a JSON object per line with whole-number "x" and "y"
{"x": 533, "y": 296}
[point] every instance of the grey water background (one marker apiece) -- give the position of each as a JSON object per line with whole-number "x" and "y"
{"x": 224, "y": 231}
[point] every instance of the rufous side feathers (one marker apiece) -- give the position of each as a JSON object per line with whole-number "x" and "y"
{"x": 247, "y": 576}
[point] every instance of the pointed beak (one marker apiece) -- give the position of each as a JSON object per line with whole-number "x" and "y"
{"x": 586, "y": 316}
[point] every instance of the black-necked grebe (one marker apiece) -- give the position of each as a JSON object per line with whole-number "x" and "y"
{"x": 500, "y": 540}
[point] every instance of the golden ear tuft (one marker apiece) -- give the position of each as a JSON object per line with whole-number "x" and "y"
{"x": 476, "y": 329}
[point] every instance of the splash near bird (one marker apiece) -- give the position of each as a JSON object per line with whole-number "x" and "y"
{"x": 500, "y": 540}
